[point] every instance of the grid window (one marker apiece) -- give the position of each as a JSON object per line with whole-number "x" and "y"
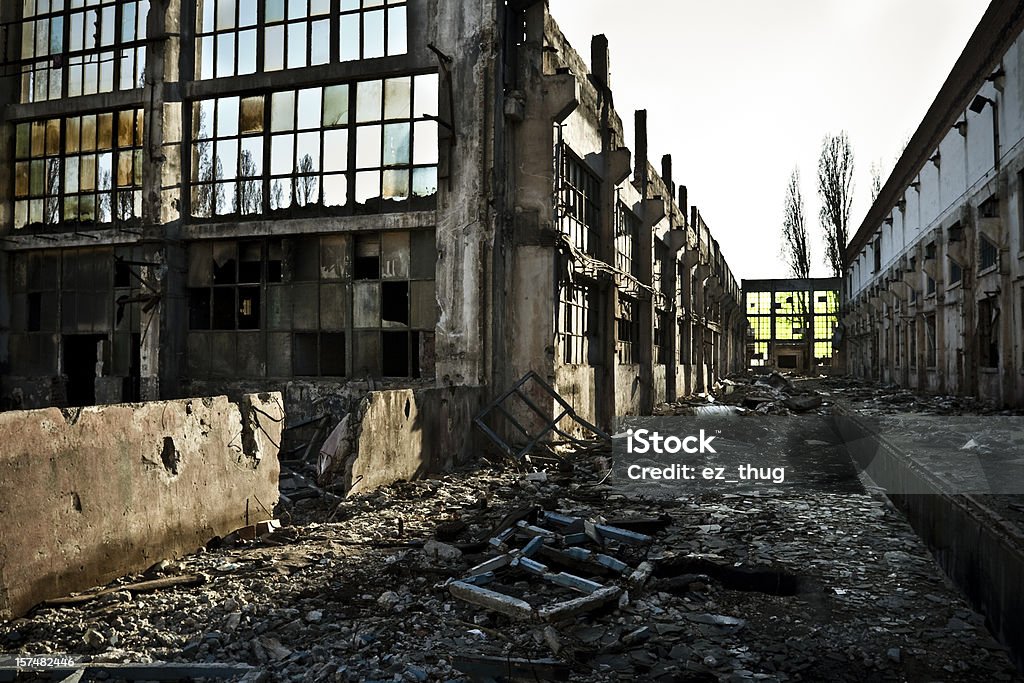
{"x": 789, "y": 327}
{"x": 82, "y": 47}
{"x": 989, "y": 256}
{"x": 293, "y": 34}
{"x": 627, "y": 241}
{"x": 824, "y": 327}
{"x": 826, "y": 302}
{"x": 628, "y": 330}
{"x": 364, "y": 147}
{"x": 574, "y": 314}
{"x": 372, "y": 28}
{"x": 578, "y": 194}
{"x": 79, "y": 170}
{"x": 762, "y": 327}
{"x": 759, "y": 303}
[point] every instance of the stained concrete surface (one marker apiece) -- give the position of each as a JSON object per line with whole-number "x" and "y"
{"x": 87, "y": 495}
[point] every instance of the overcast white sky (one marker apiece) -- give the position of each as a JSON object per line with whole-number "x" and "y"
{"x": 741, "y": 91}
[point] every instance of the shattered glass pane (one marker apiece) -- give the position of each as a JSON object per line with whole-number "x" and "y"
{"x": 367, "y": 186}
{"x": 335, "y": 190}
{"x": 424, "y": 182}
{"x": 396, "y": 185}
{"x": 335, "y": 106}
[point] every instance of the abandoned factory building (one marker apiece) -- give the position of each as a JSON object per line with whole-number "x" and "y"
{"x": 935, "y": 274}
{"x": 334, "y": 197}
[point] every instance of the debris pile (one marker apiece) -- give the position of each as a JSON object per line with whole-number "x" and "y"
{"x": 824, "y": 587}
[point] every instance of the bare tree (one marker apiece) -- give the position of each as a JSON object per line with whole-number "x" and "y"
{"x": 250, "y": 187}
{"x": 796, "y": 248}
{"x": 876, "y": 181}
{"x": 835, "y": 189}
{"x": 307, "y": 190}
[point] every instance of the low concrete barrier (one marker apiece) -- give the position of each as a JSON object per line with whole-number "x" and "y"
{"x": 403, "y": 434}
{"x": 89, "y": 495}
{"x": 980, "y": 551}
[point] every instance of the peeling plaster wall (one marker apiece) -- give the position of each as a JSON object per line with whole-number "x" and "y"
{"x": 93, "y": 494}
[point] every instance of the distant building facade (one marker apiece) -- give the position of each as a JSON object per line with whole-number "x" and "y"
{"x": 935, "y": 274}
{"x": 792, "y": 323}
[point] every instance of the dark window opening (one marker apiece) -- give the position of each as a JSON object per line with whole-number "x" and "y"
{"x": 224, "y": 272}
{"x": 224, "y": 308}
{"x": 395, "y": 354}
{"x": 956, "y": 273}
{"x": 988, "y": 333}
{"x": 250, "y": 262}
{"x": 122, "y": 274}
{"x": 332, "y": 354}
{"x": 989, "y": 208}
{"x": 395, "y": 304}
{"x": 929, "y": 251}
{"x": 878, "y": 254}
{"x": 367, "y": 258}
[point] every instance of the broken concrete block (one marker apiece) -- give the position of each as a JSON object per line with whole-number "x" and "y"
{"x": 492, "y": 600}
{"x": 441, "y": 551}
{"x": 582, "y": 605}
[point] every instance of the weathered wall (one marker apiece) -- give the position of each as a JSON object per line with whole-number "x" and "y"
{"x": 93, "y": 494}
{"x": 406, "y": 434}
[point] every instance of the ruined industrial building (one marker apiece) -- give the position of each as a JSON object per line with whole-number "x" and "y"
{"x": 935, "y": 281}
{"x": 323, "y": 324}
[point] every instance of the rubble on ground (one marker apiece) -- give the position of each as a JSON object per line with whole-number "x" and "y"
{"x": 820, "y": 587}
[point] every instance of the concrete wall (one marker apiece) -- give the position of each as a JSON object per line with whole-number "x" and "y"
{"x": 89, "y": 495}
{"x": 403, "y": 435}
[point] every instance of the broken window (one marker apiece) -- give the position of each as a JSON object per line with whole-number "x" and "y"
{"x": 929, "y": 285}
{"x": 988, "y": 333}
{"x": 989, "y": 254}
{"x": 346, "y": 147}
{"x": 627, "y": 324}
{"x": 79, "y": 170}
{"x": 877, "y": 252}
{"x": 661, "y": 332}
{"x": 300, "y": 307}
{"x": 82, "y": 48}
